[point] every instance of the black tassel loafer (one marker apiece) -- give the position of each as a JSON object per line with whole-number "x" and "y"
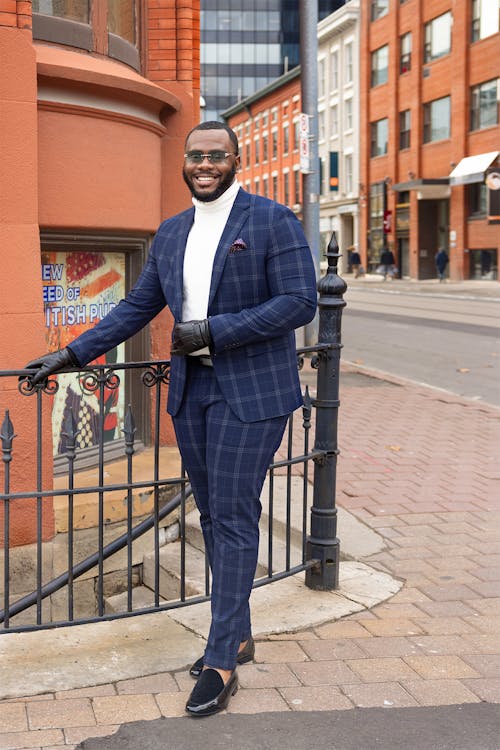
{"x": 245, "y": 655}
{"x": 210, "y": 695}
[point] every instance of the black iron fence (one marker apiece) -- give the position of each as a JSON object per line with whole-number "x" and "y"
{"x": 146, "y": 557}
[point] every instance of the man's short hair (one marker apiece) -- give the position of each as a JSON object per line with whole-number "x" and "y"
{"x": 216, "y": 125}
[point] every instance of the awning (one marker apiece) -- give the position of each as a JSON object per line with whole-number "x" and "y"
{"x": 472, "y": 168}
{"x": 427, "y": 188}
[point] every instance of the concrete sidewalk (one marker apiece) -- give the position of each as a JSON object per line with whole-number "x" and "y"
{"x": 418, "y": 467}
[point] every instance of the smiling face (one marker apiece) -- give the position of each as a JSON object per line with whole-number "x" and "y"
{"x": 208, "y": 181}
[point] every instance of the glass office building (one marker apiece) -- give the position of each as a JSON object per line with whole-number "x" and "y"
{"x": 245, "y": 44}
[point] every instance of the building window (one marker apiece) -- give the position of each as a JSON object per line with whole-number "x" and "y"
{"x": 321, "y": 125}
{"x": 334, "y": 120}
{"x": 484, "y": 106}
{"x": 256, "y": 186}
{"x": 379, "y": 132}
{"x": 405, "y": 53}
{"x": 296, "y": 176}
{"x": 286, "y": 188}
{"x": 485, "y": 19}
{"x": 247, "y": 155}
{"x": 265, "y": 148}
{"x": 321, "y": 78}
{"x": 275, "y": 187}
{"x": 379, "y": 8}
{"x": 348, "y": 63}
{"x": 348, "y": 114}
{"x": 478, "y": 199}
{"x": 437, "y": 120}
{"x": 437, "y": 37}
{"x": 121, "y": 19}
{"x": 296, "y": 136}
{"x": 404, "y": 129}
{"x": 334, "y": 71}
{"x": 64, "y": 9}
{"x": 380, "y": 66}
{"x": 275, "y": 143}
{"x": 256, "y": 151}
{"x": 286, "y": 139}
{"x": 348, "y": 183}
{"x": 107, "y": 26}
{"x": 265, "y": 187}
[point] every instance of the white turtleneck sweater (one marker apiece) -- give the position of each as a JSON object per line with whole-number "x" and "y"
{"x": 209, "y": 221}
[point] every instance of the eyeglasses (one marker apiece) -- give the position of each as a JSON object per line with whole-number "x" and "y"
{"x": 214, "y": 157}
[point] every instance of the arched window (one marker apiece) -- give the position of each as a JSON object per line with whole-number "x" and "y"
{"x": 108, "y": 27}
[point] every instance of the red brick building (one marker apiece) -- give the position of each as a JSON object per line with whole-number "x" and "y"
{"x": 429, "y": 87}
{"x": 96, "y": 98}
{"x": 267, "y": 125}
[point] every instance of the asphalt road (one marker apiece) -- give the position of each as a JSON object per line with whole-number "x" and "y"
{"x": 472, "y": 726}
{"x": 445, "y": 341}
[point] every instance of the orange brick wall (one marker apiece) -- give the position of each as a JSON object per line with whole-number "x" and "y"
{"x": 171, "y": 61}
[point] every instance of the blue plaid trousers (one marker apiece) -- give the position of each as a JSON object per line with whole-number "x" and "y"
{"x": 226, "y": 461}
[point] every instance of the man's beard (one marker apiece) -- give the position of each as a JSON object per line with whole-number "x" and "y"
{"x": 226, "y": 182}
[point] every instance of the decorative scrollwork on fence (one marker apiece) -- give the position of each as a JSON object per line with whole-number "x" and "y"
{"x": 26, "y": 388}
{"x": 90, "y": 381}
{"x": 156, "y": 374}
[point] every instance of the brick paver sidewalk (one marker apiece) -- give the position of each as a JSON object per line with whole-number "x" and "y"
{"x": 421, "y": 468}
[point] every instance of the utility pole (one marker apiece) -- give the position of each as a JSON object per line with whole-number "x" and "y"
{"x": 308, "y": 10}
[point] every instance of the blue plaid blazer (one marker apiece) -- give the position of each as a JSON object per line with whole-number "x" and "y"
{"x": 263, "y": 287}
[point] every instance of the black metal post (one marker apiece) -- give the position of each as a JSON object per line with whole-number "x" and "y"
{"x": 323, "y": 544}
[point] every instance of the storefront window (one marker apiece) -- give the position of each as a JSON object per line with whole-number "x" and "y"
{"x": 80, "y": 288}
{"x": 74, "y": 10}
{"x": 483, "y": 264}
{"x": 376, "y": 222}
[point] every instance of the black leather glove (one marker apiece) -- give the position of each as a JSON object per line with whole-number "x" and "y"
{"x": 190, "y": 336}
{"x": 49, "y": 364}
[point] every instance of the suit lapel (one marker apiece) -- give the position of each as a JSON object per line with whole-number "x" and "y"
{"x": 237, "y": 218}
{"x": 177, "y": 279}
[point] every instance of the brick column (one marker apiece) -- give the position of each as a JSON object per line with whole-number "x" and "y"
{"x": 21, "y": 306}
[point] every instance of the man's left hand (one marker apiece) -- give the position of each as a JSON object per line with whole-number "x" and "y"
{"x": 190, "y": 336}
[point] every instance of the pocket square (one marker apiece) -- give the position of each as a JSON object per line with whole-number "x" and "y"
{"x": 238, "y": 245}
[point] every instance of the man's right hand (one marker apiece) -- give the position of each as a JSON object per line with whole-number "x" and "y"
{"x": 49, "y": 364}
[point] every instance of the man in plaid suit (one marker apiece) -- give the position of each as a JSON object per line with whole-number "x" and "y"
{"x": 238, "y": 277}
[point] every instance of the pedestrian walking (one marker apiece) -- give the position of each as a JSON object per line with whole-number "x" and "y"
{"x": 387, "y": 263}
{"x": 355, "y": 260}
{"x": 238, "y": 276}
{"x": 441, "y": 261}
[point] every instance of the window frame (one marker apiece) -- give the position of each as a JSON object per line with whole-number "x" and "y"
{"x": 404, "y": 129}
{"x": 428, "y": 38}
{"x": 376, "y": 74}
{"x": 475, "y": 111}
{"x": 405, "y": 55}
{"x": 378, "y": 9}
{"x": 374, "y": 128}
{"x": 427, "y": 120}
{"x": 94, "y": 36}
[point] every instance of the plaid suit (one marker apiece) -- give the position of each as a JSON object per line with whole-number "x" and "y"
{"x": 229, "y": 419}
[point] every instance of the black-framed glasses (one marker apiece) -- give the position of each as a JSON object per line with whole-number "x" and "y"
{"x": 214, "y": 157}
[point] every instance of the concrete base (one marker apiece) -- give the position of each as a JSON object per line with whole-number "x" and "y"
{"x": 95, "y": 654}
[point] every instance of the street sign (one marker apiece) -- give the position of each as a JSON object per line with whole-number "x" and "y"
{"x": 304, "y": 141}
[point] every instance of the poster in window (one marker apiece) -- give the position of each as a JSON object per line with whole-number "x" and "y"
{"x": 80, "y": 288}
